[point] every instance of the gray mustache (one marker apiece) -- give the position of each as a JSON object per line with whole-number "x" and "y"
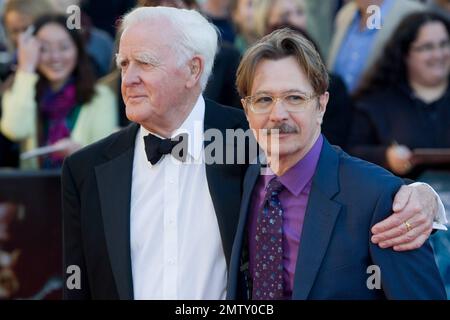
{"x": 283, "y": 128}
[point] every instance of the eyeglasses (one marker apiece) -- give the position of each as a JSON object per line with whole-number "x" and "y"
{"x": 293, "y": 101}
{"x": 429, "y": 47}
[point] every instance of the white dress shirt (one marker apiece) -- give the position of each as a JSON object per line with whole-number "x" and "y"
{"x": 441, "y": 218}
{"x": 176, "y": 248}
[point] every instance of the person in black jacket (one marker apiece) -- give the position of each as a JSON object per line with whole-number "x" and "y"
{"x": 404, "y": 101}
{"x": 124, "y": 197}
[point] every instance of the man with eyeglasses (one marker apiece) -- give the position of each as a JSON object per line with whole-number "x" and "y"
{"x": 305, "y": 224}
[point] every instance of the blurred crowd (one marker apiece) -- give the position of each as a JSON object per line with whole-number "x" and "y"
{"x": 389, "y": 67}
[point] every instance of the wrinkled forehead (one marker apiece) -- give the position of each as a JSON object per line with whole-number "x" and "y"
{"x": 279, "y": 75}
{"x": 151, "y": 31}
{"x": 157, "y": 48}
{"x": 146, "y": 37}
{"x": 159, "y": 23}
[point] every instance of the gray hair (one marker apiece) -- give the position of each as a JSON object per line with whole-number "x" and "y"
{"x": 196, "y": 34}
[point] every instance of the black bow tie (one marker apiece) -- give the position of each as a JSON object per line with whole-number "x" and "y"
{"x": 156, "y": 147}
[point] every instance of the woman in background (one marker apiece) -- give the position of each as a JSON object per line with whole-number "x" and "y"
{"x": 272, "y": 13}
{"x": 17, "y": 16}
{"x": 404, "y": 101}
{"x": 53, "y": 99}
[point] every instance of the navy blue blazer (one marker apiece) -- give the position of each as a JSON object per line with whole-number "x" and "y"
{"x": 348, "y": 196}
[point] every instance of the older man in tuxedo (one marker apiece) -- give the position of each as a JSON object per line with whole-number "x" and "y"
{"x": 138, "y": 223}
{"x": 142, "y": 221}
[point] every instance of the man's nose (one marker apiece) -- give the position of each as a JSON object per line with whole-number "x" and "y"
{"x": 130, "y": 76}
{"x": 278, "y": 112}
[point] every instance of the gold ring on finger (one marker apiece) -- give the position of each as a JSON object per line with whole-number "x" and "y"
{"x": 407, "y": 225}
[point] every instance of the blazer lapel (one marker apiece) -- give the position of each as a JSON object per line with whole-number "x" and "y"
{"x": 320, "y": 218}
{"x": 251, "y": 178}
{"x": 114, "y": 187}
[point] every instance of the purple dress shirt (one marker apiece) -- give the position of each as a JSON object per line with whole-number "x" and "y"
{"x": 294, "y": 199}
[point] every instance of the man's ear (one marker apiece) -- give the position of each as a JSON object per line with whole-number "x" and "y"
{"x": 244, "y": 106}
{"x": 323, "y": 101}
{"x": 196, "y": 66}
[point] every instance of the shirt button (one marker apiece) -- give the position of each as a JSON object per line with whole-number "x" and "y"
{"x": 171, "y": 261}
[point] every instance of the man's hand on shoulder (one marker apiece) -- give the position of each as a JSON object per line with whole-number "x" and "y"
{"x": 415, "y": 207}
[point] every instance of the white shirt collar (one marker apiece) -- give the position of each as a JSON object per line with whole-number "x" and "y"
{"x": 192, "y": 125}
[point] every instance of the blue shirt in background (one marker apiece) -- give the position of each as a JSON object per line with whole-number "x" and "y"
{"x": 352, "y": 57}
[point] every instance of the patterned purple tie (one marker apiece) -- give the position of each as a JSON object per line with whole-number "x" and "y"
{"x": 268, "y": 270}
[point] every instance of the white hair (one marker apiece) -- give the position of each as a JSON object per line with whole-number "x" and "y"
{"x": 197, "y": 36}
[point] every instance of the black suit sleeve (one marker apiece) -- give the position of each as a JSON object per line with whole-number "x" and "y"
{"x": 73, "y": 248}
{"x": 221, "y": 86}
{"x": 409, "y": 274}
{"x": 363, "y": 141}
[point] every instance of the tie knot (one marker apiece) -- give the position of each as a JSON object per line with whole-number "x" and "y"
{"x": 274, "y": 186}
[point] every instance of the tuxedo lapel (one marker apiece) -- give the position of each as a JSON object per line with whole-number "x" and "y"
{"x": 320, "y": 218}
{"x": 251, "y": 178}
{"x": 114, "y": 187}
{"x": 224, "y": 180}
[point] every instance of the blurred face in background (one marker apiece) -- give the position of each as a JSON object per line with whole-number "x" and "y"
{"x": 243, "y": 17}
{"x": 16, "y": 23}
{"x": 428, "y": 61}
{"x": 58, "y": 55}
{"x": 287, "y": 12}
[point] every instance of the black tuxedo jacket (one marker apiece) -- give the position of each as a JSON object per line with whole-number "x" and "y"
{"x": 96, "y": 184}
